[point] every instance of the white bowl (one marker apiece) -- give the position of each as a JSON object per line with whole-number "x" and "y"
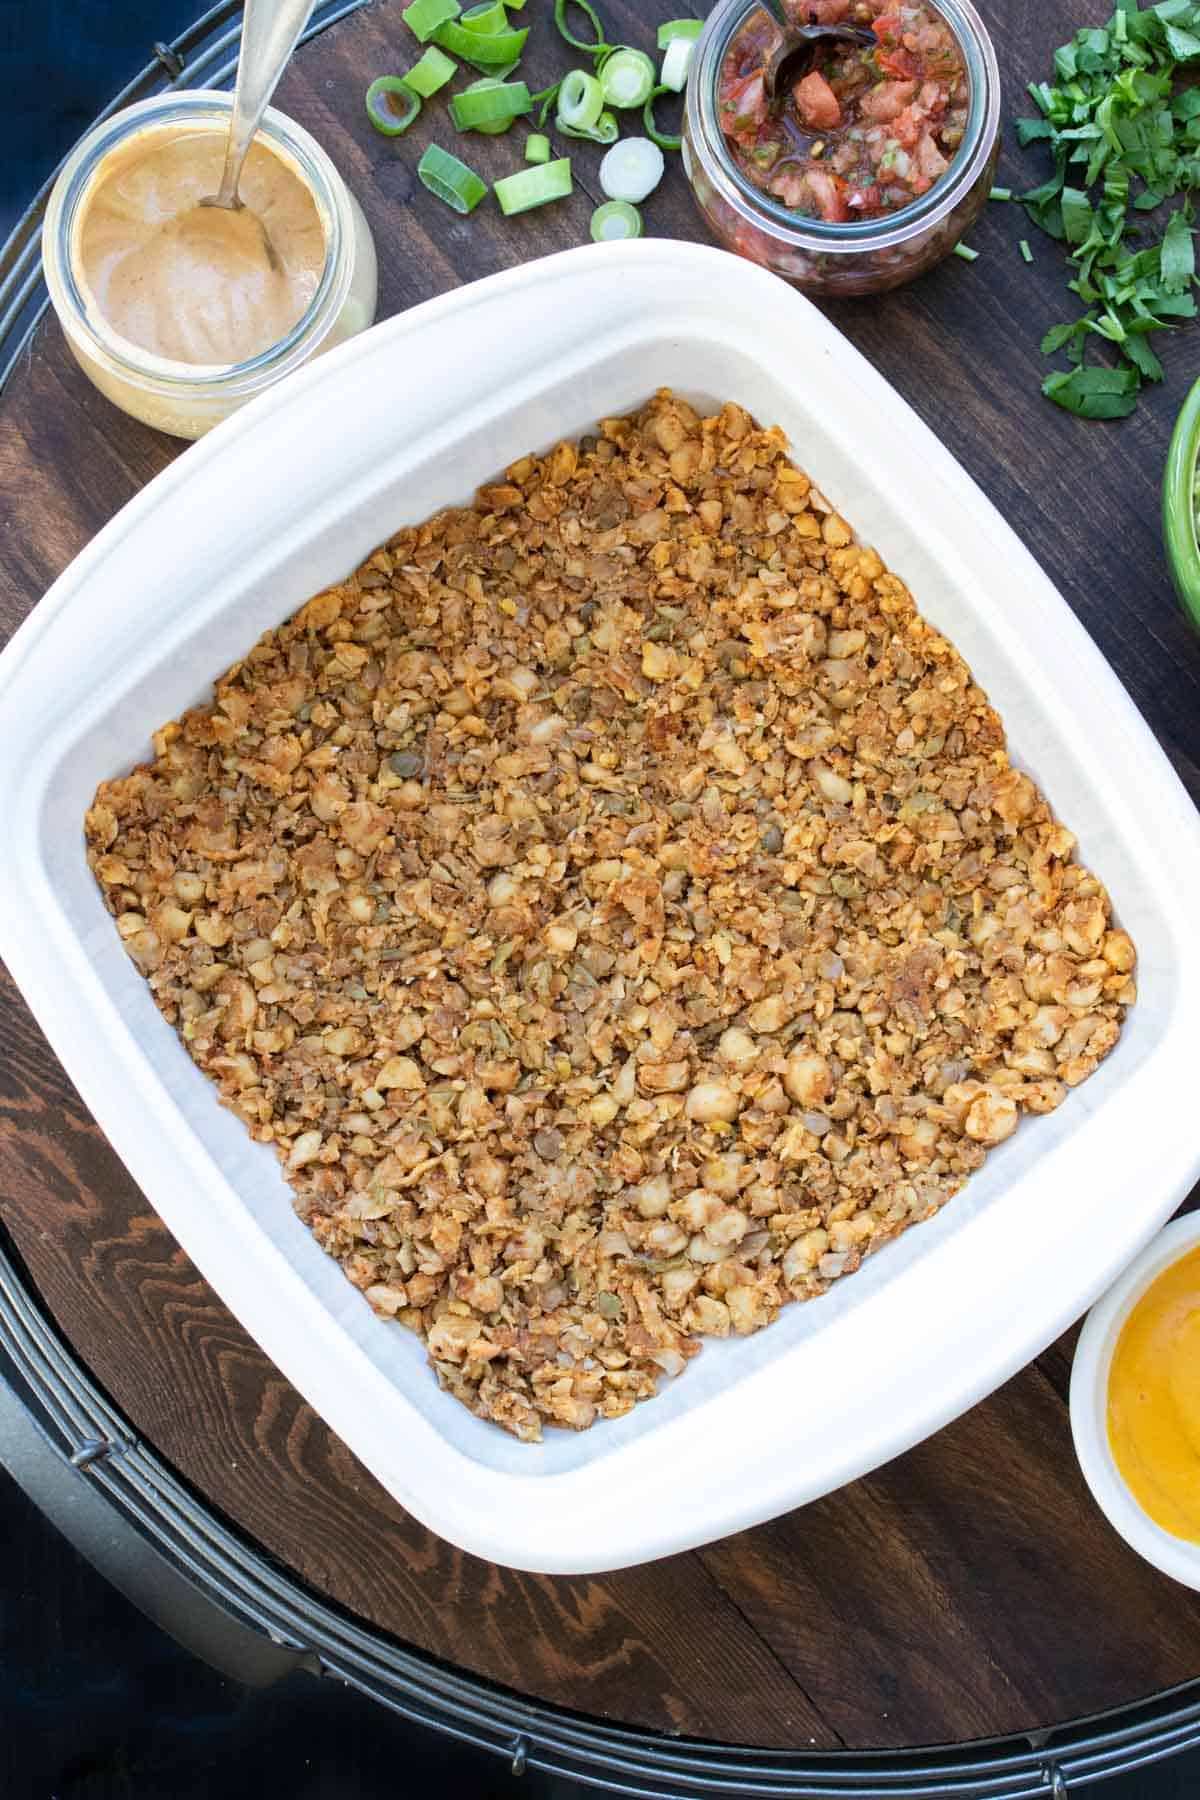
{"x": 304, "y": 483}
{"x": 1089, "y": 1404}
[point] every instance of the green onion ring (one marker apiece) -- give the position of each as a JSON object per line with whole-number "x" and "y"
{"x": 664, "y": 139}
{"x": 676, "y": 28}
{"x": 544, "y": 101}
{"x": 580, "y": 101}
{"x": 450, "y": 180}
{"x": 380, "y": 110}
{"x": 534, "y": 187}
{"x": 489, "y": 105}
{"x": 490, "y": 18}
{"x": 598, "y": 46}
{"x": 604, "y": 131}
{"x": 627, "y": 77}
{"x": 537, "y": 147}
{"x": 631, "y": 170}
{"x": 432, "y": 72}
{"x": 616, "y": 220}
{"x": 677, "y": 60}
{"x": 425, "y": 17}
{"x": 485, "y": 50}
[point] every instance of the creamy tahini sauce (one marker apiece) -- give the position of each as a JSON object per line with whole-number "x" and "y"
{"x": 198, "y": 284}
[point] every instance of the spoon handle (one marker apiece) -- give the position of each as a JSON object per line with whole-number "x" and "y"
{"x": 270, "y": 29}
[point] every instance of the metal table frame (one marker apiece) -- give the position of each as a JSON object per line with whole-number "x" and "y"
{"x": 169, "y": 1552}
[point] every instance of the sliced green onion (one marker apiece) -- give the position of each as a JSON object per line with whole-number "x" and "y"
{"x": 514, "y": 5}
{"x": 450, "y": 180}
{"x": 632, "y": 169}
{"x": 676, "y": 63}
{"x": 597, "y": 47}
{"x": 537, "y": 148}
{"x": 489, "y": 105}
{"x": 544, "y": 101}
{"x": 392, "y": 115}
{"x": 433, "y": 71}
{"x": 665, "y": 140}
{"x": 490, "y": 18}
{"x": 687, "y": 29}
{"x": 627, "y": 77}
{"x": 580, "y": 101}
{"x": 424, "y": 17}
{"x": 966, "y": 252}
{"x": 1000, "y": 193}
{"x": 615, "y": 220}
{"x": 1026, "y": 252}
{"x": 604, "y": 131}
{"x": 534, "y": 187}
{"x": 484, "y": 50}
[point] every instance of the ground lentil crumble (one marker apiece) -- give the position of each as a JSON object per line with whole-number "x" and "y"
{"x": 616, "y": 906}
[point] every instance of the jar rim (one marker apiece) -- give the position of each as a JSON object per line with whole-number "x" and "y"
{"x": 75, "y": 186}
{"x": 852, "y": 237}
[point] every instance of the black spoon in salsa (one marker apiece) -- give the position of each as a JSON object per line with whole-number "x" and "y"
{"x": 797, "y": 53}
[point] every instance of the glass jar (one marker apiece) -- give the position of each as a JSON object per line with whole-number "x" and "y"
{"x": 863, "y": 256}
{"x": 188, "y": 399}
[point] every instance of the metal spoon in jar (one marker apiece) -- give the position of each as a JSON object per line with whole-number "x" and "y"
{"x": 270, "y": 31}
{"x": 795, "y": 56}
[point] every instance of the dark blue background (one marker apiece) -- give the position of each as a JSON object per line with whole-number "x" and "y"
{"x": 60, "y": 63}
{"x": 95, "y": 1704}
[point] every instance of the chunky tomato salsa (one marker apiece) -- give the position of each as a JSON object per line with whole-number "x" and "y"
{"x": 867, "y": 130}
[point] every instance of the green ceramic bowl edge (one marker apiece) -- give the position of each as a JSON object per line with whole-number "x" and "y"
{"x": 1179, "y": 505}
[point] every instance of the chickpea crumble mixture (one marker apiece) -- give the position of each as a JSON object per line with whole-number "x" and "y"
{"x": 616, "y": 906}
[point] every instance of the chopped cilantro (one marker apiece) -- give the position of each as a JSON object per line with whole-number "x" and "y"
{"x": 1177, "y": 257}
{"x": 1123, "y": 133}
{"x": 1094, "y": 393}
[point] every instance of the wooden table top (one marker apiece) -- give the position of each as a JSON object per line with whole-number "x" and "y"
{"x": 969, "y": 1589}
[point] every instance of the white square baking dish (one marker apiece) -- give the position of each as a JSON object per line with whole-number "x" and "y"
{"x": 292, "y": 493}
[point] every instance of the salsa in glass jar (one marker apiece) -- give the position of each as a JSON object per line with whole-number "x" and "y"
{"x": 868, "y": 130}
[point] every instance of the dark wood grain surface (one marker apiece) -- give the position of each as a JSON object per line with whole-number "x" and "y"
{"x": 969, "y": 1589}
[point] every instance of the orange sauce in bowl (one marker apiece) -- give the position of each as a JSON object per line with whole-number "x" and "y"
{"x": 1154, "y": 1400}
